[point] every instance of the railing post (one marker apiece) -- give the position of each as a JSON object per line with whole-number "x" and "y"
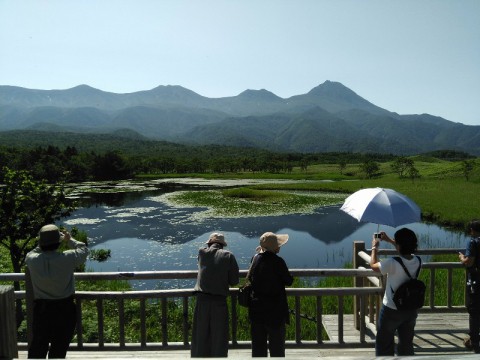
{"x": 100, "y": 319}
{"x": 29, "y": 300}
{"x": 185, "y": 321}
{"x": 164, "y": 320}
{"x": 8, "y": 324}
{"x": 298, "y": 324}
{"x": 79, "y": 327}
{"x": 234, "y": 303}
{"x": 432, "y": 288}
{"x": 319, "y": 320}
{"x": 358, "y": 281}
{"x": 143, "y": 326}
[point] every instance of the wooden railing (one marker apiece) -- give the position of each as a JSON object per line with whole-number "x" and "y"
{"x": 367, "y": 292}
{"x": 183, "y": 296}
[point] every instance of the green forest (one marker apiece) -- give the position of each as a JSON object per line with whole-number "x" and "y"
{"x": 96, "y": 157}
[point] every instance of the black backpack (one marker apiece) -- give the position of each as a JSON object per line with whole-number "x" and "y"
{"x": 411, "y": 294}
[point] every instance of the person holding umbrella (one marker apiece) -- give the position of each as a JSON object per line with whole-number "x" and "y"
{"x": 392, "y": 320}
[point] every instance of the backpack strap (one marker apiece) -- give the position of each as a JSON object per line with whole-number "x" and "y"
{"x": 399, "y": 260}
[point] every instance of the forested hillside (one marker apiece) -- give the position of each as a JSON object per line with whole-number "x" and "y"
{"x": 82, "y": 157}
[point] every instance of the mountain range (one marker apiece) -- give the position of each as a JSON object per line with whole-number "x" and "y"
{"x": 330, "y": 117}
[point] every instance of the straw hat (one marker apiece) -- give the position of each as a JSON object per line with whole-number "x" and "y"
{"x": 217, "y": 238}
{"x": 272, "y": 242}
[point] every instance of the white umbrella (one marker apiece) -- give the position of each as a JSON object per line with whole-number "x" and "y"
{"x": 382, "y": 206}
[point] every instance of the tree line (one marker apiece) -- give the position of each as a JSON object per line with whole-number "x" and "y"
{"x": 52, "y": 163}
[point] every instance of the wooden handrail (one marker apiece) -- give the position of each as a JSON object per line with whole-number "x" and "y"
{"x": 367, "y": 292}
{"x": 191, "y": 274}
{"x": 185, "y": 294}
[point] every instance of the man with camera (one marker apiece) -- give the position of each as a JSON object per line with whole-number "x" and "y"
{"x": 217, "y": 270}
{"x": 54, "y": 311}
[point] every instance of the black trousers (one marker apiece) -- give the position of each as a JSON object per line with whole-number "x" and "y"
{"x": 210, "y": 331}
{"x": 473, "y": 307}
{"x": 268, "y": 337}
{"x": 53, "y": 328}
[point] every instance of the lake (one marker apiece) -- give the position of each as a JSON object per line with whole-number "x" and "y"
{"x": 145, "y": 232}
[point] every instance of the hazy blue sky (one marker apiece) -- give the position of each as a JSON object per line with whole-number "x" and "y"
{"x": 407, "y": 56}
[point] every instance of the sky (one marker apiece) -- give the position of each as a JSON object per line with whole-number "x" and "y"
{"x": 406, "y": 56}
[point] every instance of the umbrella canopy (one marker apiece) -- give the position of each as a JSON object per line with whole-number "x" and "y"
{"x": 381, "y": 206}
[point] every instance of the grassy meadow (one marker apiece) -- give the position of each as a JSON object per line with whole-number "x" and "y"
{"x": 443, "y": 193}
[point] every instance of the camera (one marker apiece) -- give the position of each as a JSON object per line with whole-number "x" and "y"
{"x": 377, "y": 235}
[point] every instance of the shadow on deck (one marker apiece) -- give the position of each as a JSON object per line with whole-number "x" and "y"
{"x": 436, "y": 335}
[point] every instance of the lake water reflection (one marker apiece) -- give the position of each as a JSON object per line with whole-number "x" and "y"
{"x": 144, "y": 232}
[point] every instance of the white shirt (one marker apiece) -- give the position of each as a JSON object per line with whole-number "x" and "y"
{"x": 396, "y": 276}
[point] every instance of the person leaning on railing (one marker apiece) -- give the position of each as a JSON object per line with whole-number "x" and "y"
{"x": 391, "y": 319}
{"x": 471, "y": 260}
{"x": 217, "y": 270}
{"x": 268, "y": 312}
{"x": 54, "y": 311}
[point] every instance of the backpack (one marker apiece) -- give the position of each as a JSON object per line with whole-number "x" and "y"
{"x": 411, "y": 294}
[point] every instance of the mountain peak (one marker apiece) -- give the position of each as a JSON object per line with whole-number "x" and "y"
{"x": 169, "y": 88}
{"x": 261, "y": 94}
{"x": 334, "y": 96}
{"x": 83, "y": 87}
{"x": 332, "y": 88}
{"x": 82, "y": 90}
{"x": 172, "y": 91}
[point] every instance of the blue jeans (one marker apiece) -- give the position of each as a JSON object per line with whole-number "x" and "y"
{"x": 389, "y": 322}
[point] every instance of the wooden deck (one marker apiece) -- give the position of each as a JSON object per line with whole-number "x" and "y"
{"x": 439, "y": 335}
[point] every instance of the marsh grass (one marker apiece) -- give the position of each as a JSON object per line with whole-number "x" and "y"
{"x": 246, "y": 201}
{"x": 440, "y": 283}
{"x": 442, "y": 192}
{"x": 253, "y": 194}
{"x": 449, "y": 202}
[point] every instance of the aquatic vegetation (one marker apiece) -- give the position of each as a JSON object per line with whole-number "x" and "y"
{"x": 83, "y": 221}
{"x": 129, "y": 212}
{"x": 100, "y": 255}
{"x": 245, "y": 202}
